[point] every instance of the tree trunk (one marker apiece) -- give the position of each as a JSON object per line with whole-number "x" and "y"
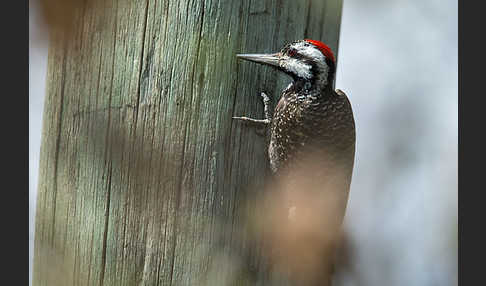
{"x": 145, "y": 179}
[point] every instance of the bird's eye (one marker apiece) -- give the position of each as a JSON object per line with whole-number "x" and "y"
{"x": 292, "y": 52}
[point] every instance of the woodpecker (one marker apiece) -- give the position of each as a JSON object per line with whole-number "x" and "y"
{"x": 312, "y": 142}
{"x": 310, "y": 117}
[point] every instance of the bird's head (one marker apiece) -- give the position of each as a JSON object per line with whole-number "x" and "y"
{"x": 306, "y": 60}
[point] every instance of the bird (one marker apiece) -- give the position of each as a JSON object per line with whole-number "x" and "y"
{"x": 311, "y": 130}
{"x": 310, "y": 115}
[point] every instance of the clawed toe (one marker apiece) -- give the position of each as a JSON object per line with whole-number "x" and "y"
{"x": 247, "y": 119}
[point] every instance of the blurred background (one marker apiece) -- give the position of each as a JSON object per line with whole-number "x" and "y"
{"x": 398, "y": 64}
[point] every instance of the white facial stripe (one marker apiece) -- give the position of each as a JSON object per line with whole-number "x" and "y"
{"x": 309, "y": 51}
{"x": 299, "y": 68}
{"x": 302, "y": 69}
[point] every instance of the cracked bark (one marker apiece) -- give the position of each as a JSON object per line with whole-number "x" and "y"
{"x": 144, "y": 178}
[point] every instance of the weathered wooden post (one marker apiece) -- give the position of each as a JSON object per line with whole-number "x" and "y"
{"x": 144, "y": 176}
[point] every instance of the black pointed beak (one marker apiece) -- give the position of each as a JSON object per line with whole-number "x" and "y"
{"x": 267, "y": 59}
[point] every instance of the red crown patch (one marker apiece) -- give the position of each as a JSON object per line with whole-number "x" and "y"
{"x": 323, "y": 48}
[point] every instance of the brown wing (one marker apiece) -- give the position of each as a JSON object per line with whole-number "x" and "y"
{"x": 340, "y": 92}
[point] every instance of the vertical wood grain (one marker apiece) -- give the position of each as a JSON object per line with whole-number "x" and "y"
{"x": 144, "y": 177}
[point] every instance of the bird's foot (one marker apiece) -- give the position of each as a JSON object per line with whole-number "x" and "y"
{"x": 260, "y": 122}
{"x": 266, "y": 112}
{"x": 266, "y": 106}
{"x": 257, "y": 121}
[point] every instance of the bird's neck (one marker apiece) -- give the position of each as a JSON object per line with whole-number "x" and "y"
{"x": 311, "y": 87}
